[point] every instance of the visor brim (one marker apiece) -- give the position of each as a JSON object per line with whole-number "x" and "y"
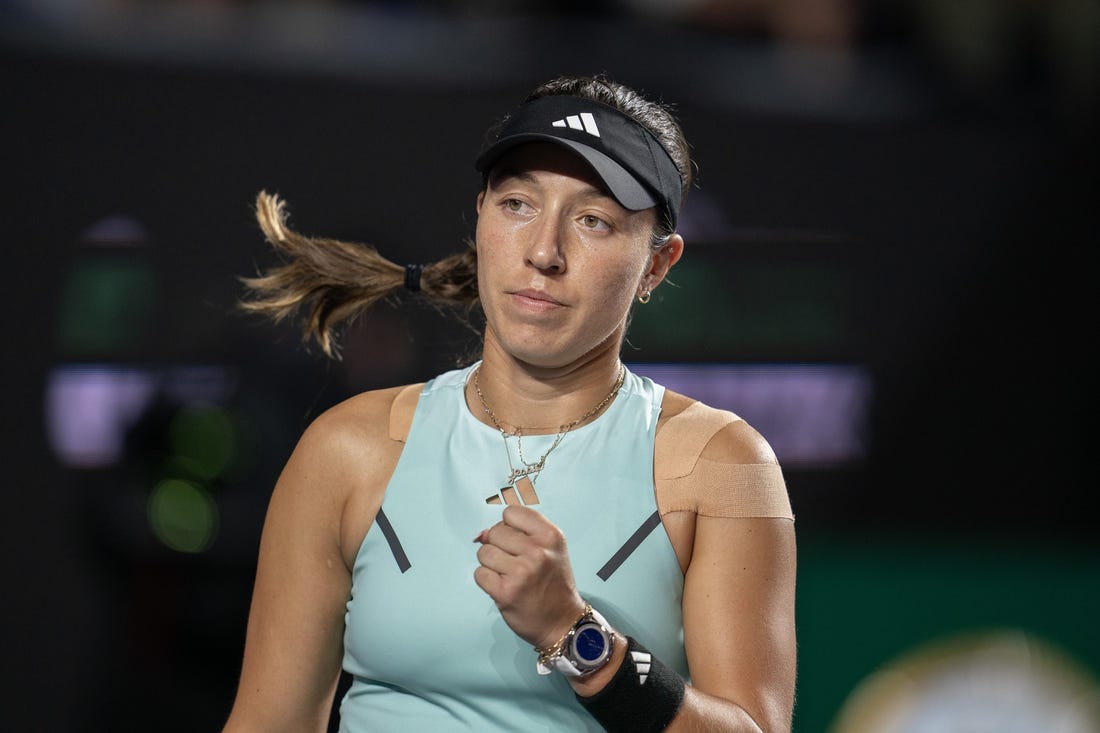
{"x": 620, "y": 183}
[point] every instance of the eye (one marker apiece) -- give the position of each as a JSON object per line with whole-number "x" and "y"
{"x": 514, "y": 205}
{"x": 591, "y": 221}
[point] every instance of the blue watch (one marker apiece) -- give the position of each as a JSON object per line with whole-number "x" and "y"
{"x": 586, "y": 648}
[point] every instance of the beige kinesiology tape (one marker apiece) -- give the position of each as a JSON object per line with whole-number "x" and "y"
{"x": 715, "y": 489}
{"x": 685, "y": 481}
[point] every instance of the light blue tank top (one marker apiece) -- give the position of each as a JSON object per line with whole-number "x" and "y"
{"x": 425, "y": 646}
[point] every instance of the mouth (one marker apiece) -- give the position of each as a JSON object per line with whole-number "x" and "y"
{"x": 537, "y": 299}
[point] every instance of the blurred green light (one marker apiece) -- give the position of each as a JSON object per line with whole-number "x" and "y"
{"x": 204, "y": 441}
{"x": 183, "y": 516}
{"x": 107, "y": 307}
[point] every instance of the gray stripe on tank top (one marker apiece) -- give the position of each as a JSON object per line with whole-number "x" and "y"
{"x": 630, "y": 546}
{"x": 399, "y": 555}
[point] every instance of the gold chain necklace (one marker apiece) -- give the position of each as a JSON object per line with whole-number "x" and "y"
{"x": 528, "y": 468}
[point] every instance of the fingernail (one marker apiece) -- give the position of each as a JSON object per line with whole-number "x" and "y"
{"x": 482, "y": 536}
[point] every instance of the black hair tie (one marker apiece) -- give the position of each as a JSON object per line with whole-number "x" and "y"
{"x": 412, "y": 277}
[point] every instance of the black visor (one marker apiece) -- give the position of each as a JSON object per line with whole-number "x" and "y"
{"x": 634, "y": 166}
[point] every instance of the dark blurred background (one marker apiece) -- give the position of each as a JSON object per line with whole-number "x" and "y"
{"x": 888, "y": 273}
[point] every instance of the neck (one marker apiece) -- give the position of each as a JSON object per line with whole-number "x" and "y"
{"x": 540, "y": 399}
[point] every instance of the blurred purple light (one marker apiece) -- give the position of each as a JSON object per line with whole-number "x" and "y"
{"x": 813, "y": 415}
{"x": 89, "y": 408}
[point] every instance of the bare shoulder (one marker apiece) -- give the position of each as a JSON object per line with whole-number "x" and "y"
{"x": 739, "y": 442}
{"x": 344, "y": 431}
{"x": 687, "y": 424}
{"x": 351, "y": 441}
{"x": 364, "y": 417}
{"x": 710, "y": 462}
{"x": 346, "y": 457}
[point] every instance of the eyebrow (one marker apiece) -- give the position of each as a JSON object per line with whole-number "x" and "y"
{"x": 503, "y": 173}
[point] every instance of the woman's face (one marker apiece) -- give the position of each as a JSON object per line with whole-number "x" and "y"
{"x": 559, "y": 260}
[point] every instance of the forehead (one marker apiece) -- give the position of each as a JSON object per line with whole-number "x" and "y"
{"x": 536, "y": 157}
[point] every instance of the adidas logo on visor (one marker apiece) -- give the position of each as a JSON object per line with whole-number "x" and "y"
{"x": 584, "y": 121}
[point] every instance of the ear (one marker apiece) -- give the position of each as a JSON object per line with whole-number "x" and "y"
{"x": 662, "y": 261}
{"x": 480, "y": 200}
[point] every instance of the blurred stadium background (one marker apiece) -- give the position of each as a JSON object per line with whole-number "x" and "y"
{"x": 888, "y": 272}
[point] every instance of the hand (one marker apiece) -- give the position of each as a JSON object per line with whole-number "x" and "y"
{"x": 525, "y": 570}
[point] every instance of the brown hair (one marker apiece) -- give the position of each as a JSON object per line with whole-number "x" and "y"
{"x": 335, "y": 281}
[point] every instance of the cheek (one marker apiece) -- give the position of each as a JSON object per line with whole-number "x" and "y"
{"x": 632, "y": 271}
{"x": 485, "y": 246}
{"x": 492, "y": 239}
{"x": 618, "y": 285}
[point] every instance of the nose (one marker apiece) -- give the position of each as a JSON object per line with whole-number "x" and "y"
{"x": 544, "y": 250}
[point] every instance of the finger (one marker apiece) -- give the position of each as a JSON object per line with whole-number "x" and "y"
{"x": 488, "y": 581}
{"x": 496, "y": 559}
{"x": 509, "y": 539}
{"x": 523, "y": 518}
{"x": 532, "y": 523}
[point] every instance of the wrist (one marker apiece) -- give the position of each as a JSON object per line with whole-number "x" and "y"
{"x": 640, "y": 694}
{"x": 557, "y": 633}
{"x": 593, "y": 683}
{"x": 585, "y": 648}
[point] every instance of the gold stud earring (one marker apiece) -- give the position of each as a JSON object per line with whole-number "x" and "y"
{"x": 643, "y": 297}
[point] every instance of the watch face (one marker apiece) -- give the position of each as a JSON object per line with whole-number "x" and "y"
{"x": 590, "y": 645}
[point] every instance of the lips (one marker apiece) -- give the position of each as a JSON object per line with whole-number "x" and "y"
{"x": 538, "y": 299}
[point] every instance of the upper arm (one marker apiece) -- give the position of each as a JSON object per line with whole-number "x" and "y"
{"x": 739, "y": 630}
{"x": 739, "y": 596}
{"x": 293, "y": 648}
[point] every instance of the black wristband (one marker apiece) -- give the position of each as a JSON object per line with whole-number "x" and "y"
{"x": 643, "y": 696}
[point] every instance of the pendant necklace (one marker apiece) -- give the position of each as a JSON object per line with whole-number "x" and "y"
{"x": 522, "y": 478}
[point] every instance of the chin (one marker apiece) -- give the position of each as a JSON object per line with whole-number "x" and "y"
{"x": 540, "y": 359}
{"x": 537, "y": 347}
{"x": 549, "y": 348}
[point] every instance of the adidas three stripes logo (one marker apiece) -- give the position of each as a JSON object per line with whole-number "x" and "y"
{"x": 584, "y": 121}
{"x": 642, "y": 662}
